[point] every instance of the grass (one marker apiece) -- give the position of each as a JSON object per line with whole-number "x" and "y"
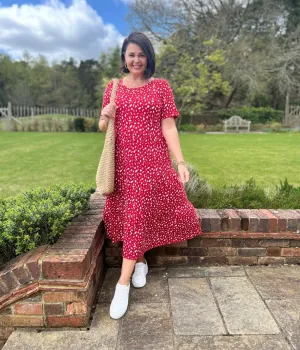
{"x": 31, "y": 159}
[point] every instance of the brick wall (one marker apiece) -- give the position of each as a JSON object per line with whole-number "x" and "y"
{"x": 56, "y": 285}
{"x": 230, "y": 237}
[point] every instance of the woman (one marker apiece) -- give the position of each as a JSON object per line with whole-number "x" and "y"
{"x": 149, "y": 207}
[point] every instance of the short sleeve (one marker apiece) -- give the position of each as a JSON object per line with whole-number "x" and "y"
{"x": 106, "y": 94}
{"x": 168, "y": 108}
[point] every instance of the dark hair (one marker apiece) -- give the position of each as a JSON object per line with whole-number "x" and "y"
{"x": 141, "y": 40}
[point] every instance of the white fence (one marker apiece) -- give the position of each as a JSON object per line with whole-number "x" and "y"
{"x": 28, "y": 111}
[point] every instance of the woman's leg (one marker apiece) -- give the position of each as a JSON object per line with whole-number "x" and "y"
{"x": 126, "y": 272}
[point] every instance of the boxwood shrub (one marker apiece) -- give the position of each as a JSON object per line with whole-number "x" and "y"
{"x": 39, "y": 216}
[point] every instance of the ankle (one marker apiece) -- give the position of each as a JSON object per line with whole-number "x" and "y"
{"x": 123, "y": 282}
{"x": 141, "y": 259}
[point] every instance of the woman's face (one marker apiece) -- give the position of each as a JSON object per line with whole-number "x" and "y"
{"x": 136, "y": 59}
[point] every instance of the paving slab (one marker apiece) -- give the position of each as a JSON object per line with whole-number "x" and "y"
{"x": 287, "y": 314}
{"x": 276, "y": 282}
{"x": 241, "y": 342}
{"x": 102, "y": 335}
{"x": 155, "y": 291}
{"x": 200, "y": 271}
{"x": 243, "y": 310}
{"x": 146, "y": 326}
{"x": 194, "y": 311}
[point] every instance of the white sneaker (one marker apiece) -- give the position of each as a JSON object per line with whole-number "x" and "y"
{"x": 119, "y": 303}
{"x": 139, "y": 275}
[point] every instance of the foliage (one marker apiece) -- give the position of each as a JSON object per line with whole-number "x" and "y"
{"x": 188, "y": 127}
{"x": 79, "y": 124}
{"x": 255, "y": 115}
{"x": 247, "y": 195}
{"x": 39, "y": 216}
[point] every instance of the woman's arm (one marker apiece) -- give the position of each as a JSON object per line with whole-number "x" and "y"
{"x": 170, "y": 133}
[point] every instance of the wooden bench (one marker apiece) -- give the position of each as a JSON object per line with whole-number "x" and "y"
{"x": 237, "y": 123}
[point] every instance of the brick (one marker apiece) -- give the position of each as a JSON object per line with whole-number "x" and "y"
{"x": 5, "y": 332}
{"x": 195, "y": 242}
{"x": 109, "y": 243}
{"x": 221, "y": 251}
{"x": 295, "y": 260}
{"x": 281, "y": 219}
{"x": 215, "y": 260}
{"x": 216, "y": 242}
{"x": 195, "y": 260}
{"x": 272, "y": 220}
{"x": 205, "y": 219}
{"x": 34, "y": 298}
{"x": 6, "y": 311}
{"x": 215, "y": 220}
{"x": 113, "y": 261}
{"x": 224, "y": 219}
{"x": 76, "y": 238}
{"x": 172, "y": 250}
{"x": 268, "y": 260}
{"x": 193, "y": 251}
{"x": 86, "y": 217}
{"x": 242, "y": 260}
{"x": 249, "y": 221}
{"x": 263, "y": 220}
{"x": 166, "y": 260}
{"x": 76, "y": 308}
{"x": 54, "y": 309}
{"x": 155, "y": 251}
{"x": 53, "y": 297}
{"x": 8, "y": 279}
{"x": 113, "y": 251}
{"x": 290, "y": 252}
{"x": 177, "y": 244}
{"x": 251, "y": 251}
{"x": 76, "y": 229}
{"x": 28, "y": 308}
{"x": 234, "y": 220}
{"x": 294, "y": 243}
{"x": 67, "y": 321}
{"x": 253, "y": 243}
{"x": 3, "y": 289}
{"x": 273, "y": 251}
{"x": 73, "y": 267}
{"x": 65, "y": 250}
{"x": 238, "y": 242}
{"x": 21, "y": 321}
{"x": 274, "y": 243}
{"x": 18, "y": 268}
{"x": 32, "y": 261}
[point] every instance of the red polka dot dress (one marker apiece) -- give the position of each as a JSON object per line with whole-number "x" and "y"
{"x": 149, "y": 206}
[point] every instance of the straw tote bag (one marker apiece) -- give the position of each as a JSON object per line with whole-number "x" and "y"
{"x": 105, "y": 177}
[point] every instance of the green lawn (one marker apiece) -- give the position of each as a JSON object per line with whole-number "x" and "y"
{"x": 29, "y": 159}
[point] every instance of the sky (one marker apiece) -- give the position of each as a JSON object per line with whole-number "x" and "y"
{"x": 59, "y": 29}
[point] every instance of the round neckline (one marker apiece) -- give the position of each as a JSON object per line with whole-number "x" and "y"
{"x": 138, "y": 87}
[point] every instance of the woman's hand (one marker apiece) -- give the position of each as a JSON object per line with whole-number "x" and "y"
{"x": 183, "y": 173}
{"x": 109, "y": 110}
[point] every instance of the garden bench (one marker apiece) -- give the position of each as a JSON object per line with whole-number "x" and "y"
{"x": 237, "y": 123}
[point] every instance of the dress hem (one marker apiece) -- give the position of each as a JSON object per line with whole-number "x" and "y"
{"x": 157, "y": 245}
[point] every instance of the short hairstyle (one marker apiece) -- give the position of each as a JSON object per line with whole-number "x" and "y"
{"x": 146, "y": 45}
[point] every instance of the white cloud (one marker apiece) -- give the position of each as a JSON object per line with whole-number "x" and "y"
{"x": 56, "y": 30}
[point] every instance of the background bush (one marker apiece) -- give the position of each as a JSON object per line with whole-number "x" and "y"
{"x": 255, "y": 115}
{"x": 247, "y": 195}
{"x": 39, "y": 216}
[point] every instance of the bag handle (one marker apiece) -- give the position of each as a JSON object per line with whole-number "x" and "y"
{"x": 114, "y": 90}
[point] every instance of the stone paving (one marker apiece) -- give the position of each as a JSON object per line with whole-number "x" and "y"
{"x": 183, "y": 308}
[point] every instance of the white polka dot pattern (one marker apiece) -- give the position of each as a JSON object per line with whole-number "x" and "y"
{"x": 149, "y": 206}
